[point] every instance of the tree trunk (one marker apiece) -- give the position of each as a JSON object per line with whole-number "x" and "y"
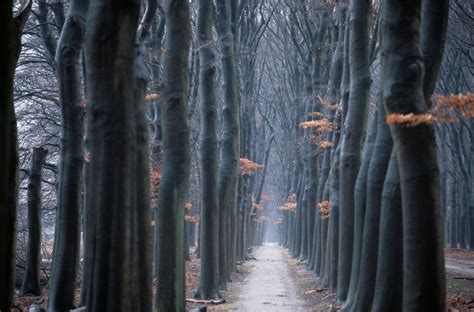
{"x": 353, "y": 134}
{"x": 11, "y": 30}
{"x": 62, "y": 284}
{"x": 389, "y": 277}
{"x": 116, "y": 229}
{"x": 230, "y": 147}
{"x": 208, "y": 279}
{"x": 174, "y": 183}
{"x": 31, "y": 281}
{"x": 402, "y": 74}
{"x": 375, "y": 181}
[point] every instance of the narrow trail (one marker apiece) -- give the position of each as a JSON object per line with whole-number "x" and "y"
{"x": 269, "y": 286}
{"x": 463, "y": 268}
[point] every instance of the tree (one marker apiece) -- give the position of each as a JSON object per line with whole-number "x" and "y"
{"x": 10, "y": 30}
{"x": 31, "y": 280}
{"x": 209, "y": 277}
{"x": 230, "y": 148}
{"x": 402, "y": 74}
{"x": 174, "y": 183}
{"x": 62, "y": 284}
{"x": 354, "y": 125}
{"x": 115, "y": 240}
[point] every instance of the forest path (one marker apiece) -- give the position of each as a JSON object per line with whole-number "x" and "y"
{"x": 269, "y": 286}
{"x": 463, "y": 268}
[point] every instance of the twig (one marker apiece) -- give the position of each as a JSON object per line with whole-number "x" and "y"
{"x": 212, "y": 301}
{"x": 325, "y": 297}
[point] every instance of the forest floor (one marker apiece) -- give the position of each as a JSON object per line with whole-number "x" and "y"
{"x": 460, "y": 280}
{"x": 273, "y": 281}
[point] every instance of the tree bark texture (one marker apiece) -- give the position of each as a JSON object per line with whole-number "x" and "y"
{"x": 402, "y": 74}
{"x": 62, "y": 284}
{"x": 353, "y": 133}
{"x": 209, "y": 277}
{"x": 31, "y": 280}
{"x": 230, "y": 142}
{"x": 174, "y": 183}
{"x": 10, "y": 31}
{"x": 113, "y": 215}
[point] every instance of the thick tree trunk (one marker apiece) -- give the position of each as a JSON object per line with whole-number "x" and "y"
{"x": 11, "y": 30}
{"x": 31, "y": 280}
{"x": 360, "y": 196}
{"x": 116, "y": 229}
{"x": 402, "y": 73}
{"x": 375, "y": 181}
{"x": 353, "y": 133}
{"x": 62, "y": 284}
{"x": 334, "y": 214}
{"x": 7, "y": 212}
{"x": 208, "y": 279}
{"x": 174, "y": 183}
{"x": 230, "y": 148}
{"x": 389, "y": 277}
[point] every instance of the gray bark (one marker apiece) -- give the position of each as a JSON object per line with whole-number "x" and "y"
{"x": 62, "y": 284}
{"x": 114, "y": 217}
{"x": 11, "y": 30}
{"x": 360, "y": 193}
{"x": 375, "y": 181}
{"x": 209, "y": 277}
{"x": 174, "y": 183}
{"x": 31, "y": 282}
{"x": 354, "y": 126}
{"x": 402, "y": 74}
{"x": 389, "y": 277}
{"x": 230, "y": 148}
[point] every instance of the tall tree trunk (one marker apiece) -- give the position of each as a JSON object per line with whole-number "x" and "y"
{"x": 10, "y": 29}
{"x": 354, "y": 126}
{"x": 402, "y": 74}
{"x": 174, "y": 183}
{"x": 31, "y": 280}
{"x": 62, "y": 284}
{"x": 208, "y": 280}
{"x": 389, "y": 277}
{"x": 375, "y": 181}
{"x": 114, "y": 214}
{"x": 230, "y": 148}
{"x": 360, "y": 197}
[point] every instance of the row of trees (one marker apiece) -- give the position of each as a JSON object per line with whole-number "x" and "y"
{"x": 185, "y": 95}
{"x": 365, "y": 198}
{"x": 112, "y": 75}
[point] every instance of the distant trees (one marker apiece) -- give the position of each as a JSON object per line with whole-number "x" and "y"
{"x": 31, "y": 279}
{"x": 307, "y": 100}
{"x": 371, "y": 189}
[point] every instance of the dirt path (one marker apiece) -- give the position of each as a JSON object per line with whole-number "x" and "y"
{"x": 269, "y": 287}
{"x": 464, "y": 268}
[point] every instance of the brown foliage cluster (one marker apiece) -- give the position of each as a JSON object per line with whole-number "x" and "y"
{"x": 325, "y": 209}
{"x": 290, "y": 204}
{"x": 191, "y": 219}
{"x": 152, "y": 96}
{"x": 318, "y": 125}
{"x": 325, "y": 144}
{"x": 262, "y": 219}
{"x": 247, "y": 166}
{"x": 448, "y": 109}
